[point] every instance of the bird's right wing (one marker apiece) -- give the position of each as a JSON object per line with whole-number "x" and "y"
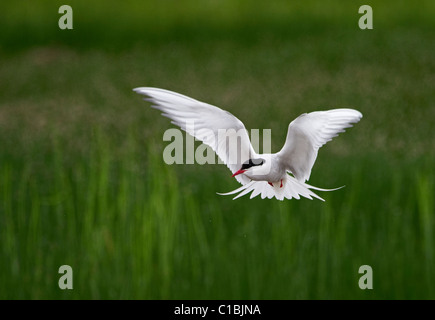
{"x": 217, "y": 128}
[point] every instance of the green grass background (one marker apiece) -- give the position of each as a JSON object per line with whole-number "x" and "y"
{"x": 83, "y": 182}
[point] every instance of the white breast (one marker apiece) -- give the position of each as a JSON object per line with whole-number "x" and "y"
{"x": 270, "y": 171}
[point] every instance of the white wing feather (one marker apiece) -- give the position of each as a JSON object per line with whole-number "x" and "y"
{"x": 307, "y": 133}
{"x": 207, "y": 121}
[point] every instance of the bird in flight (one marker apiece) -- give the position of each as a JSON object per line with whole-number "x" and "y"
{"x": 281, "y": 175}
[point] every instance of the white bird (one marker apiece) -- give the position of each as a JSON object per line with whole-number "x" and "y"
{"x": 280, "y": 175}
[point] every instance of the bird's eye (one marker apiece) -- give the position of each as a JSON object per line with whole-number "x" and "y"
{"x": 257, "y": 162}
{"x": 246, "y": 165}
{"x": 252, "y": 163}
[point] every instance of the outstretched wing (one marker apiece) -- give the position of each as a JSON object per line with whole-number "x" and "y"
{"x": 217, "y": 128}
{"x": 307, "y": 133}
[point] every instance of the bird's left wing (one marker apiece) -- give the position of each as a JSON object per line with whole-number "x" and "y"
{"x": 217, "y": 128}
{"x": 307, "y": 133}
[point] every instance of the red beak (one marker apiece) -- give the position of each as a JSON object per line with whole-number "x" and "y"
{"x": 238, "y": 172}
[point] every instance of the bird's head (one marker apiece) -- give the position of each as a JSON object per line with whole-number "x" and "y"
{"x": 249, "y": 166}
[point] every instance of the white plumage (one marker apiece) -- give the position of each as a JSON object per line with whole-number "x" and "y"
{"x": 267, "y": 175}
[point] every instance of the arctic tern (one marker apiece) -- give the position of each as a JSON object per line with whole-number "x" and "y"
{"x": 280, "y": 175}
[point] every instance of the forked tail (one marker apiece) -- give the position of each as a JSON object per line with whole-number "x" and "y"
{"x": 291, "y": 188}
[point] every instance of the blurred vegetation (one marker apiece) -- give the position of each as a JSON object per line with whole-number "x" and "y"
{"x": 82, "y": 180}
{"x": 113, "y": 25}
